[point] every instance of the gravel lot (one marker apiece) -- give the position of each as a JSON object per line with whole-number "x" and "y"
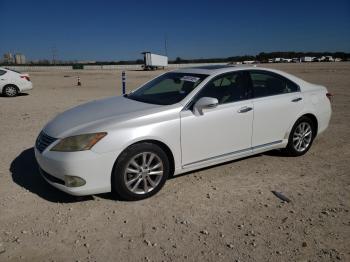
{"x": 223, "y": 213}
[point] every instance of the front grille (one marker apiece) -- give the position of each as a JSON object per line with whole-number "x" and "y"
{"x": 51, "y": 177}
{"x": 43, "y": 141}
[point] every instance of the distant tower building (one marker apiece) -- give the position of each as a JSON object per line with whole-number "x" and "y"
{"x": 20, "y": 59}
{"x": 8, "y": 58}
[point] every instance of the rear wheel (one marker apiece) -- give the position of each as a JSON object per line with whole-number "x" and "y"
{"x": 140, "y": 171}
{"x": 10, "y": 91}
{"x": 301, "y": 137}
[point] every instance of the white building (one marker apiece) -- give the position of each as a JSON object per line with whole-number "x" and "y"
{"x": 249, "y": 62}
{"x": 286, "y": 60}
{"x": 8, "y": 58}
{"x": 20, "y": 59}
{"x": 329, "y": 59}
{"x": 306, "y": 59}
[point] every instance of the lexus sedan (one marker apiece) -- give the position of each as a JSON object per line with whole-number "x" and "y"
{"x": 12, "y": 83}
{"x": 178, "y": 122}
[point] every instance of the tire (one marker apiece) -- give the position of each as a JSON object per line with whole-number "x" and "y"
{"x": 140, "y": 171}
{"x": 301, "y": 137}
{"x": 10, "y": 91}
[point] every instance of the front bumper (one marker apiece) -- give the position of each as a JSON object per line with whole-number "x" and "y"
{"x": 94, "y": 168}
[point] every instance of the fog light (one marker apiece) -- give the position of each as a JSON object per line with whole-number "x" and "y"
{"x": 73, "y": 181}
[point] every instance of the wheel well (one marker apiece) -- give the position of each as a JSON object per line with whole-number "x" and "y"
{"x": 314, "y": 121}
{"x": 162, "y": 146}
{"x": 166, "y": 150}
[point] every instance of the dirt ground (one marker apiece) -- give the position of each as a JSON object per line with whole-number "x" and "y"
{"x": 223, "y": 213}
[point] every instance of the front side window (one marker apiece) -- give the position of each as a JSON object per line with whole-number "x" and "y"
{"x": 268, "y": 84}
{"x": 167, "y": 89}
{"x": 227, "y": 88}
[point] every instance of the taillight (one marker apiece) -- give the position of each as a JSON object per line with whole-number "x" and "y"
{"x": 329, "y": 96}
{"x": 26, "y": 77}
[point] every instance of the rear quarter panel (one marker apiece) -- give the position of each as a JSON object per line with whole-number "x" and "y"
{"x": 315, "y": 103}
{"x": 319, "y": 104}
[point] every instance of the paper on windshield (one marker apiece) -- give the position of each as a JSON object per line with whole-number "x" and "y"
{"x": 190, "y": 78}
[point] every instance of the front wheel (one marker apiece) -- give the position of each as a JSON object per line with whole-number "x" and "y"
{"x": 140, "y": 171}
{"x": 301, "y": 137}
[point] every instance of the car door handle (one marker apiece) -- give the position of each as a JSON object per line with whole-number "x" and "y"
{"x": 245, "y": 109}
{"x": 297, "y": 99}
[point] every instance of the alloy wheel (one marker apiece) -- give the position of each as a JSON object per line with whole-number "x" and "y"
{"x": 302, "y": 136}
{"x": 143, "y": 173}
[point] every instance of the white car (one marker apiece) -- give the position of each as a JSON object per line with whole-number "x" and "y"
{"x": 12, "y": 83}
{"x": 180, "y": 121}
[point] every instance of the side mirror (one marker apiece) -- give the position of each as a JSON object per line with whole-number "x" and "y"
{"x": 203, "y": 103}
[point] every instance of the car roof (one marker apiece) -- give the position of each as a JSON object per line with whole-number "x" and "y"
{"x": 8, "y": 70}
{"x": 213, "y": 70}
{"x": 213, "y": 67}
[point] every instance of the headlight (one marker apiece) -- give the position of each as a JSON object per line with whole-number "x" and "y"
{"x": 79, "y": 142}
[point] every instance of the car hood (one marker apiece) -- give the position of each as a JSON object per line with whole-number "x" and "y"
{"x": 95, "y": 113}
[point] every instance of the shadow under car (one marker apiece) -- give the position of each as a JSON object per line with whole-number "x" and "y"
{"x": 25, "y": 173}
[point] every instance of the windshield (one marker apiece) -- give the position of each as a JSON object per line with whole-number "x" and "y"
{"x": 167, "y": 89}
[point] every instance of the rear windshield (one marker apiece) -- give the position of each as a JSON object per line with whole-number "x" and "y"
{"x": 167, "y": 89}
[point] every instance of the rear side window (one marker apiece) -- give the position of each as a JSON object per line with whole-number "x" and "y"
{"x": 269, "y": 84}
{"x": 2, "y": 72}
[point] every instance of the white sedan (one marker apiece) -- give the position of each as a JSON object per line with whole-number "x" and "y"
{"x": 12, "y": 83}
{"x": 178, "y": 122}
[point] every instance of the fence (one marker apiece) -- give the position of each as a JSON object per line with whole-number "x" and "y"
{"x": 99, "y": 67}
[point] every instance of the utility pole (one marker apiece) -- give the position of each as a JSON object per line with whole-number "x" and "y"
{"x": 54, "y": 54}
{"x": 166, "y": 44}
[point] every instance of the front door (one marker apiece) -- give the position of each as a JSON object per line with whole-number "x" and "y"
{"x": 221, "y": 131}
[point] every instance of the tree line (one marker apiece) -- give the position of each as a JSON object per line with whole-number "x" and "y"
{"x": 261, "y": 57}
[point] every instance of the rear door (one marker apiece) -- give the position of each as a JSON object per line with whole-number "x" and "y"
{"x": 276, "y": 101}
{"x": 222, "y": 131}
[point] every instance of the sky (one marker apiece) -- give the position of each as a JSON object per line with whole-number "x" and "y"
{"x": 120, "y": 30}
